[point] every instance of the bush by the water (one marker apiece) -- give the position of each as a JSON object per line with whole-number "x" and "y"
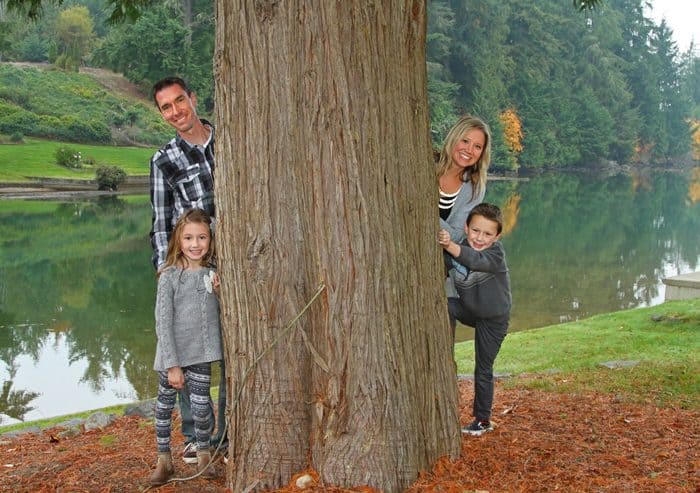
{"x": 109, "y": 177}
{"x": 68, "y": 158}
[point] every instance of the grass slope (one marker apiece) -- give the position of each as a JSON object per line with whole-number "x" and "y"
{"x": 36, "y": 158}
{"x": 40, "y": 102}
{"x": 664, "y": 339}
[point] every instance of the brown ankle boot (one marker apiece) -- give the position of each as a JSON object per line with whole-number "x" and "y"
{"x": 204, "y": 464}
{"x": 164, "y": 469}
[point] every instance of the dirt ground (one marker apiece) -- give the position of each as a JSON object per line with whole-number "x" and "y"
{"x": 543, "y": 442}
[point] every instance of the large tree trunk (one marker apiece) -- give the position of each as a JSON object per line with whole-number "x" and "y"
{"x": 325, "y": 178}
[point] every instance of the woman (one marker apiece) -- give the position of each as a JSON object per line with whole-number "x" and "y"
{"x": 461, "y": 172}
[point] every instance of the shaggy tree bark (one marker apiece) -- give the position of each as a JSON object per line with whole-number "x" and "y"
{"x": 325, "y": 179}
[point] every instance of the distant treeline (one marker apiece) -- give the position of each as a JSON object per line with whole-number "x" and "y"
{"x": 559, "y": 87}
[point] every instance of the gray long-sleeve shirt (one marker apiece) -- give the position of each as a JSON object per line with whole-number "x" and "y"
{"x": 187, "y": 320}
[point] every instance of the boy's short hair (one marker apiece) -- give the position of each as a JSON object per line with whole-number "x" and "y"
{"x": 490, "y": 212}
{"x": 167, "y": 82}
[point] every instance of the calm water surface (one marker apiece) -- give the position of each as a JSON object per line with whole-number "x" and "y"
{"x": 77, "y": 290}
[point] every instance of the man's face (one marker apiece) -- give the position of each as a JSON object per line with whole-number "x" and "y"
{"x": 177, "y": 108}
{"x": 481, "y": 232}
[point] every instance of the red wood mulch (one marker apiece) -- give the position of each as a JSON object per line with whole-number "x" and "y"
{"x": 543, "y": 442}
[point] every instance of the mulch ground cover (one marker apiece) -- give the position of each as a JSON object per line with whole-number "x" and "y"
{"x": 543, "y": 441}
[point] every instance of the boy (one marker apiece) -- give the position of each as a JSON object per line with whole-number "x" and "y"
{"x": 484, "y": 300}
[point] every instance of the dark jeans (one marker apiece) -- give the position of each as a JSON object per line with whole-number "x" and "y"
{"x": 488, "y": 336}
{"x": 186, "y": 413}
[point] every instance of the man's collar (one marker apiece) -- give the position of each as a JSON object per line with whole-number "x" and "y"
{"x": 181, "y": 140}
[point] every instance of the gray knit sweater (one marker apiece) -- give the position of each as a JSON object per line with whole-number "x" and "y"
{"x": 187, "y": 320}
{"x": 485, "y": 292}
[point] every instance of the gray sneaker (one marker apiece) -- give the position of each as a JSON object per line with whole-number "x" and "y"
{"x": 477, "y": 428}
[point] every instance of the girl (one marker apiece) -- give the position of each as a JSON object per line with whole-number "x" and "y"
{"x": 187, "y": 326}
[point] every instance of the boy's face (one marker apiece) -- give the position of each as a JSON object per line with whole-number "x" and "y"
{"x": 481, "y": 232}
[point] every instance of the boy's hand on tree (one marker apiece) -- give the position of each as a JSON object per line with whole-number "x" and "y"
{"x": 444, "y": 238}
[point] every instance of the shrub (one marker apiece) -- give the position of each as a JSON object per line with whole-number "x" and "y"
{"x": 17, "y": 138}
{"x": 17, "y": 120}
{"x": 68, "y": 157}
{"x": 18, "y": 96}
{"x": 109, "y": 177}
{"x": 86, "y": 131}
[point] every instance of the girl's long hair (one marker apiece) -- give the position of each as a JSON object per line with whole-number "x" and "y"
{"x": 175, "y": 255}
{"x": 475, "y": 174}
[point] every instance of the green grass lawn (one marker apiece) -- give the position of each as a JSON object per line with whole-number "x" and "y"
{"x": 664, "y": 339}
{"x": 35, "y": 158}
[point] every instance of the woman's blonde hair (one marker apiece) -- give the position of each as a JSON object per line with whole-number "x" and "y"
{"x": 174, "y": 255}
{"x": 475, "y": 174}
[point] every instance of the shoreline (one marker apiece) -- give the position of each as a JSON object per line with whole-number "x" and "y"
{"x": 43, "y": 188}
{"x": 69, "y": 189}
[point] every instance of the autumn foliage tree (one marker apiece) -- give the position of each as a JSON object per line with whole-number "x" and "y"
{"x": 513, "y": 136}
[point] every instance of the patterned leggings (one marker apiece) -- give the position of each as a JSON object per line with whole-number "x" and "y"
{"x": 197, "y": 381}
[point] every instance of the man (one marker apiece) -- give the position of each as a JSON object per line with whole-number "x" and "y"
{"x": 182, "y": 177}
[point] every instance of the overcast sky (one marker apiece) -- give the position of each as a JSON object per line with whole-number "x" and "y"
{"x": 682, "y": 16}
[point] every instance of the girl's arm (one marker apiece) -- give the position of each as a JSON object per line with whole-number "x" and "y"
{"x": 164, "y": 313}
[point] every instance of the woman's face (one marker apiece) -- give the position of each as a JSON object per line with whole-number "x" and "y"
{"x": 467, "y": 151}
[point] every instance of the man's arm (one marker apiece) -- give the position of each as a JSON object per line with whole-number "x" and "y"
{"x": 162, "y": 207}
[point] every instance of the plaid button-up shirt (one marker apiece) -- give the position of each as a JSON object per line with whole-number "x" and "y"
{"x": 182, "y": 177}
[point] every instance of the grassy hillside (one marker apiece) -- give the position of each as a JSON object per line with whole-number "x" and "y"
{"x": 35, "y": 158}
{"x": 37, "y": 101}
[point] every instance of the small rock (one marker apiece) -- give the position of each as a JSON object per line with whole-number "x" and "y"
{"x": 73, "y": 431}
{"x": 613, "y": 365}
{"x": 658, "y": 318}
{"x": 304, "y": 481}
{"x": 143, "y": 409}
{"x": 98, "y": 421}
{"x": 16, "y": 433}
{"x": 71, "y": 423}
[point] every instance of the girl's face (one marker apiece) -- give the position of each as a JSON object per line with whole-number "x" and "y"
{"x": 467, "y": 151}
{"x": 194, "y": 242}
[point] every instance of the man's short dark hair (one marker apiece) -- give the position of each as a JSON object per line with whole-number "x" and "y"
{"x": 167, "y": 82}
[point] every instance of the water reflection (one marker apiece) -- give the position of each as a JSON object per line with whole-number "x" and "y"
{"x": 581, "y": 246}
{"x": 77, "y": 289}
{"x": 77, "y": 276}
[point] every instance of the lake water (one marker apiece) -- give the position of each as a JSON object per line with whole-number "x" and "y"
{"x": 77, "y": 289}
